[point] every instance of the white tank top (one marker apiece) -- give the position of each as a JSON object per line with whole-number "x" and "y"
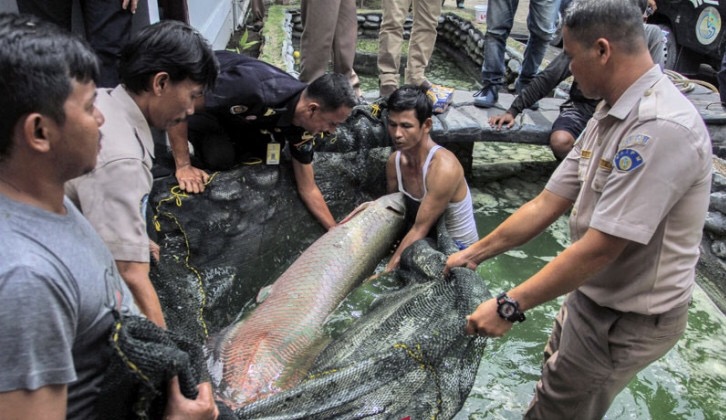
{"x": 459, "y": 216}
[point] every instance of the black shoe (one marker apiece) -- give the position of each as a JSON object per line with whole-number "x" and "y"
{"x": 460, "y": 4}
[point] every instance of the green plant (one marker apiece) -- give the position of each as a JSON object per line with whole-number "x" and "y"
{"x": 244, "y": 44}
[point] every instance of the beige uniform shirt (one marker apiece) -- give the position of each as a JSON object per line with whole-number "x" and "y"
{"x": 114, "y": 196}
{"x": 641, "y": 171}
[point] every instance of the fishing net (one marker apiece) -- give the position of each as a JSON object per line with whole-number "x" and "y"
{"x": 406, "y": 357}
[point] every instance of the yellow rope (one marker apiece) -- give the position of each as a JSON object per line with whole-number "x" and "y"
{"x": 132, "y": 366}
{"x": 418, "y": 356}
{"x": 375, "y": 110}
{"x": 177, "y": 195}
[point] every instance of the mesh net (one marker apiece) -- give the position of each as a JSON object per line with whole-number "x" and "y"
{"x": 407, "y": 356}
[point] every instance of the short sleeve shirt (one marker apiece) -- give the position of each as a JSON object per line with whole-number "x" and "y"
{"x": 58, "y": 287}
{"x": 115, "y": 195}
{"x": 641, "y": 171}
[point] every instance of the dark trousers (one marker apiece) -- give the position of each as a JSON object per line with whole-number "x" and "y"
{"x": 107, "y": 28}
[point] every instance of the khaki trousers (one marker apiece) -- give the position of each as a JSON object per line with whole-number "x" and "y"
{"x": 592, "y": 354}
{"x": 423, "y": 37}
{"x": 330, "y": 30}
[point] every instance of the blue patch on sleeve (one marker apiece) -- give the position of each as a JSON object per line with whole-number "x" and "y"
{"x": 628, "y": 159}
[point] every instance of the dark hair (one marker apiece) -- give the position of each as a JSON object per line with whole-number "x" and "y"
{"x": 411, "y": 97}
{"x": 618, "y": 21}
{"x": 168, "y": 46}
{"x": 38, "y": 61}
{"x": 332, "y": 90}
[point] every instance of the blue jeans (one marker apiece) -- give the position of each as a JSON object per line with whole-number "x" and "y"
{"x": 500, "y": 19}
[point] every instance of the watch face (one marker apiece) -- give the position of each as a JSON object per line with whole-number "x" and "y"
{"x": 507, "y": 309}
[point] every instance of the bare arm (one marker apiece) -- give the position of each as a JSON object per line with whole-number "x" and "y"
{"x": 391, "y": 179}
{"x": 561, "y": 275}
{"x": 46, "y": 403}
{"x": 190, "y": 179}
{"x": 524, "y": 224}
{"x": 136, "y": 276}
{"x": 311, "y": 195}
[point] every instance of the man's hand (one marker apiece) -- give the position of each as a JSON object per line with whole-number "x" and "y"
{"x": 486, "y": 322}
{"x": 497, "y": 121}
{"x": 459, "y": 259}
{"x": 191, "y": 179}
{"x": 131, "y": 5}
{"x": 182, "y": 408}
{"x": 155, "y": 250}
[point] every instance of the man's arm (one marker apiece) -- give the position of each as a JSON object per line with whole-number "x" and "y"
{"x": 190, "y": 179}
{"x": 566, "y": 272}
{"x": 524, "y": 224}
{"x": 542, "y": 84}
{"x": 46, "y": 403}
{"x": 391, "y": 178}
{"x": 311, "y": 195}
{"x": 136, "y": 276}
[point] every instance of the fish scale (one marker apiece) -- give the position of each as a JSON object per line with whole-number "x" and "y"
{"x": 269, "y": 350}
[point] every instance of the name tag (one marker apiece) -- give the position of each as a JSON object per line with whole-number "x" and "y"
{"x": 273, "y": 153}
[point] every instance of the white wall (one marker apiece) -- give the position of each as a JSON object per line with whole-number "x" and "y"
{"x": 213, "y": 18}
{"x": 217, "y": 19}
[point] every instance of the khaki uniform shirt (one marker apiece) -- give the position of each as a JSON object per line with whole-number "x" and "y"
{"x": 641, "y": 171}
{"x": 114, "y": 196}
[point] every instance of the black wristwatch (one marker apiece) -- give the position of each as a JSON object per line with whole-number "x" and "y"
{"x": 508, "y": 309}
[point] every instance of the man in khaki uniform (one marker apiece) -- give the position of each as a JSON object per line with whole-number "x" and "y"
{"x": 163, "y": 70}
{"x": 638, "y": 183}
{"x": 421, "y": 43}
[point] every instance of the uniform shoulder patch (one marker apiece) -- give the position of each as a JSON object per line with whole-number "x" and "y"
{"x": 627, "y": 160}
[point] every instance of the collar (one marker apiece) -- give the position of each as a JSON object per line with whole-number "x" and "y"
{"x": 288, "y": 113}
{"x": 632, "y": 95}
{"x": 135, "y": 117}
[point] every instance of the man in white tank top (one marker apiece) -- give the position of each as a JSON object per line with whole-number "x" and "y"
{"x": 425, "y": 172}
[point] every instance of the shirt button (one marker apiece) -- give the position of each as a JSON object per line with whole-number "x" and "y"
{"x": 648, "y": 92}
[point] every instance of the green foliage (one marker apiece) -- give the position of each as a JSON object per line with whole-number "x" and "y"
{"x": 244, "y": 44}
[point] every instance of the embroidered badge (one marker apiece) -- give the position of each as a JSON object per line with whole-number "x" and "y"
{"x": 628, "y": 159}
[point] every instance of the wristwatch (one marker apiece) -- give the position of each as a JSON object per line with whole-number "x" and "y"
{"x": 508, "y": 309}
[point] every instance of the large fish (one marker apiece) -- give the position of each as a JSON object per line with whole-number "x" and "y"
{"x": 271, "y": 349}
